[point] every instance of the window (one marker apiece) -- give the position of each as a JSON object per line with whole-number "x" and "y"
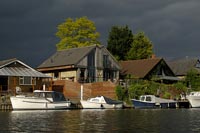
{"x": 91, "y": 67}
{"x": 197, "y": 64}
{"x": 105, "y": 61}
{"x": 142, "y": 98}
{"x": 56, "y": 75}
{"x": 95, "y": 100}
{"x": 148, "y": 98}
{"x": 27, "y": 81}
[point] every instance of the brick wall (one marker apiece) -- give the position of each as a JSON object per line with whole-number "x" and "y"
{"x": 72, "y": 90}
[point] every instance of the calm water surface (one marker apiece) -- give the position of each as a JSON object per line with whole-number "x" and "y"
{"x": 84, "y": 121}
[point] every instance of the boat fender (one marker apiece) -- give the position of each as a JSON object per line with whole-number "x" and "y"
{"x": 101, "y": 106}
{"x": 157, "y": 104}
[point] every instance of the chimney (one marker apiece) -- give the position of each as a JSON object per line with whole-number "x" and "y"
{"x": 153, "y": 56}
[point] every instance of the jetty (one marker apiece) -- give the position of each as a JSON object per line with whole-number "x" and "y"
{"x": 5, "y": 103}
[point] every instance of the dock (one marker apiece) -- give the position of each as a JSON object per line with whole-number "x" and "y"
{"x": 5, "y": 104}
{"x": 183, "y": 104}
{"x": 5, "y": 107}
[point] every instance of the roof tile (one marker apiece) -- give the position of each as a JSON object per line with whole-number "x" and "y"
{"x": 139, "y": 68}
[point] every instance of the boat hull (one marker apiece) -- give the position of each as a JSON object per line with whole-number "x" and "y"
{"x": 142, "y": 104}
{"x": 28, "y": 103}
{"x": 92, "y": 105}
{"x": 194, "y": 101}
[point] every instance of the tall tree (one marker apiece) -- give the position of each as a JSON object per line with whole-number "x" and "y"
{"x": 76, "y": 33}
{"x": 119, "y": 41}
{"x": 141, "y": 48}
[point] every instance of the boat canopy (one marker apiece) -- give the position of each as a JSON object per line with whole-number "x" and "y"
{"x": 56, "y": 96}
{"x": 110, "y": 101}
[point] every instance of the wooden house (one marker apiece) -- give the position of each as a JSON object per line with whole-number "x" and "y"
{"x": 85, "y": 64}
{"x": 148, "y": 69}
{"x": 17, "y": 76}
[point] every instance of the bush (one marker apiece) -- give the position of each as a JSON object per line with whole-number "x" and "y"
{"x": 167, "y": 95}
{"x": 180, "y": 86}
{"x": 120, "y": 92}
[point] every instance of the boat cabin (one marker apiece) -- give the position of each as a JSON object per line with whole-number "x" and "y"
{"x": 147, "y": 98}
{"x": 55, "y": 96}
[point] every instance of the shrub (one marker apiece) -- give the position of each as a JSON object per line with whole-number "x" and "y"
{"x": 120, "y": 92}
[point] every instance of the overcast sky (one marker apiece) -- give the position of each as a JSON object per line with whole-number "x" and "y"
{"x": 28, "y": 27}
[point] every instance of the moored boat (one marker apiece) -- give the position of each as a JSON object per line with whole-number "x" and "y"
{"x": 194, "y": 99}
{"x": 42, "y": 100}
{"x": 151, "y": 101}
{"x": 101, "y": 102}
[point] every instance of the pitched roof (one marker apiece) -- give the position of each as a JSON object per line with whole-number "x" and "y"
{"x": 139, "y": 68}
{"x": 182, "y": 66}
{"x": 4, "y": 62}
{"x": 67, "y": 57}
{"x": 16, "y": 70}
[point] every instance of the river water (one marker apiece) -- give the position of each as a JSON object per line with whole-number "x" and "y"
{"x": 91, "y": 121}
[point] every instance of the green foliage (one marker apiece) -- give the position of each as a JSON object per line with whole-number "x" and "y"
{"x": 126, "y": 46}
{"x": 154, "y": 88}
{"x": 180, "y": 86}
{"x": 193, "y": 80}
{"x": 141, "y": 88}
{"x": 119, "y": 41}
{"x": 76, "y": 33}
{"x": 120, "y": 92}
{"x": 135, "y": 90}
{"x": 167, "y": 95}
{"x": 141, "y": 48}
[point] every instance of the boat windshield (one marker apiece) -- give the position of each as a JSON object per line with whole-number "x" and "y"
{"x": 142, "y": 98}
{"x": 94, "y": 100}
{"x": 43, "y": 95}
{"x": 57, "y": 96}
{"x": 148, "y": 98}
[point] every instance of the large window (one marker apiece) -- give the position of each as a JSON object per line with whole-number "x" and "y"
{"x": 27, "y": 81}
{"x": 105, "y": 61}
{"x": 91, "y": 67}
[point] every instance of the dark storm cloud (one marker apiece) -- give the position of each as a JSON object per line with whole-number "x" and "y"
{"x": 27, "y": 28}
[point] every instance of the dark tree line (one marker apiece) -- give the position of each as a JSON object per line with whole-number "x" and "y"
{"x": 125, "y": 45}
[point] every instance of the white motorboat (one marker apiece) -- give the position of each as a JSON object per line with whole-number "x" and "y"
{"x": 42, "y": 100}
{"x": 101, "y": 102}
{"x": 194, "y": 99}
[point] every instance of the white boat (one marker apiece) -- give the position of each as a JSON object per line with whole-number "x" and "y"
{"x": 194, "y": 99}
{"x": 151, "y": 101}
{"x": 101, "y": 102}
{"x": 42, "y": 100}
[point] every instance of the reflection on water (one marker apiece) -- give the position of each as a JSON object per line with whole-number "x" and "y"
{"x": 126, "y": 120}
{"x": 93, "y": 120}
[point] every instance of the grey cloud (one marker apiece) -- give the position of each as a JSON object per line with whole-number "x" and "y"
{"x": 28, "y": 27}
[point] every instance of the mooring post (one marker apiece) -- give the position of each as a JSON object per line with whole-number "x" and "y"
{"x": 81, "y": 91}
